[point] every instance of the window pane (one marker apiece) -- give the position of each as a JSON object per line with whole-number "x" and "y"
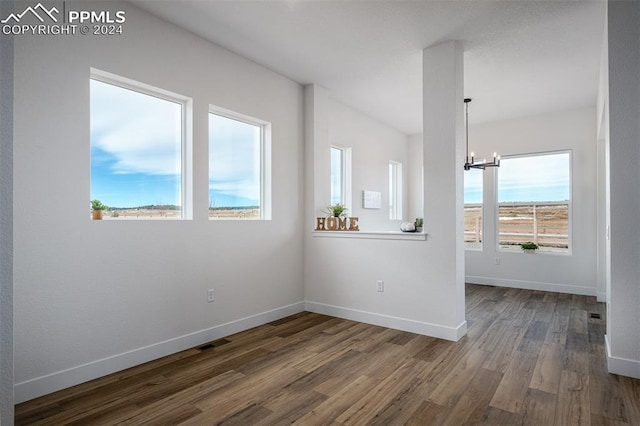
{"x": 235, "y": 171}
{"x": 533, "y": 201}
{"x": 337, "y": 176}
{"x": 473, "y": 208}
{"x": 136, "y": 153}
{"x": 395, "y": 191}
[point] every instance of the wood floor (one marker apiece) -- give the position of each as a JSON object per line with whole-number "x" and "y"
{"x": 529, "y": 357}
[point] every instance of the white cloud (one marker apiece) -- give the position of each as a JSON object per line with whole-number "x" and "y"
{"x": 535, "y": 171}
{"x": 142, "y": 132}
{"x": 234, "y": 157}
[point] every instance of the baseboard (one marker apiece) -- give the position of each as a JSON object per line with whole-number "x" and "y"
{"x": 621, "y": 366}
{"x": 601, "y": 296}
{"x": 532, "y": 285}
{"x": 39, "y": 386}
{"x": 404, "y": 324}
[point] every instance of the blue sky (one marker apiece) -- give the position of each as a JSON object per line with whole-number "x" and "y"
{"x": 136, "y": 144}
{"x": 473, "y": 186}
{"x": 234, "y": 163}
{"x": 533, "y": 178}
{"x": 135, "y": 147}
{"x": 136, "y": 157}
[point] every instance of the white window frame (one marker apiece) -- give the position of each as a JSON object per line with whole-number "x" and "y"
{"x": 569, "y": 250}
{"x": 186, "y": 190}
{"x": 346, "y": 174}
{"x": 395, "y": 190}
{"x": 265, "y": 158}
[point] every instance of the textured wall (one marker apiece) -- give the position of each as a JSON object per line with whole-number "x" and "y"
{"x": 6, "y": 223}
{"x": 94, "y": 296}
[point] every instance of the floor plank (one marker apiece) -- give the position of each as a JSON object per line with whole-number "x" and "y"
{"x": 529, "y": 357}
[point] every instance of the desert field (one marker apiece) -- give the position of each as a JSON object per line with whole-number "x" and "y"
{"x": 236, "y": 213}
{"x": 519, "y": 222}
{"x": 154, "y": 212}
{"x": 173, "y": 212}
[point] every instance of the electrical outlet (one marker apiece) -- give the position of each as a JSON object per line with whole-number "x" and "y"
{"x": 497, "y": 260}
{"x": 380, "y": 286}
{"x": 210, "y": 296}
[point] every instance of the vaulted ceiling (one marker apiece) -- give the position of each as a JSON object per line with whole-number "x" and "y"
{"x": 521, "y": 57}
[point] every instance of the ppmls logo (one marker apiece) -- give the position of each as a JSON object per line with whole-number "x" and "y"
{"x": 33, "y": 11}
{"x": 40, "y": 20}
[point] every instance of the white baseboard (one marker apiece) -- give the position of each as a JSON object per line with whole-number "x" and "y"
{"x": 39, "y": 386}
{"x": 621, "y": 366}
{"x": 532, "y": 285}
{"x": 601, "y": 296}
{"x": 418, "y": 327}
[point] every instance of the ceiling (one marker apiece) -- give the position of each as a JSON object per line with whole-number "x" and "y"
{"x": 521, "y": 57}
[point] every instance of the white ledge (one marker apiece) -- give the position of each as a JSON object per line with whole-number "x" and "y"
{"x": 373, "y": 235}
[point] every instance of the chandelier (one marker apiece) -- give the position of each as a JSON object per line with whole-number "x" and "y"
{"x": 470, "y": 160}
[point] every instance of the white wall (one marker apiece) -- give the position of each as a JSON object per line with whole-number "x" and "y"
{"x": 424, "y": 289}
{"x": 623, "y": 325}
{"x": 6, "y": 223}
{"x": 372, "y": 145}
{"x": 602, "y": 121}
{"x": 575, "y": 273}
{"x": 95, "y": 297}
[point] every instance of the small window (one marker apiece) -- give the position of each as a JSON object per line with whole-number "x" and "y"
{"x": 137, "y": 145}
{"x": 238, "y": 156}
{"x": 395, "y": 190}
{"x": 338, "y": 178}
{"x": 473, "y": 209}
{"x": 534, "y": 202}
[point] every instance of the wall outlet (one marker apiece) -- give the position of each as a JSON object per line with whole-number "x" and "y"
{"x": 210, "y": 296}
{"x": 380, "y": 286}
{"x": 497, "y": 260}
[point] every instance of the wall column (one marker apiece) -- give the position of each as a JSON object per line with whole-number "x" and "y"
{"x": 623, "y": 315}
{"x": 443, "y": 138}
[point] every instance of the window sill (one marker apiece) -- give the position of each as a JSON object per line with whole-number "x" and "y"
{"x": 370, "y": 235}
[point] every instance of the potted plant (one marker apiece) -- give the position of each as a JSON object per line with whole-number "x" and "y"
{"x": 96, "y": 209}
{"x": 529, "y": 247}
{"x": 418, "y": 224}
{"x": 335, "y": 213}
{"x": 336, "y": 210}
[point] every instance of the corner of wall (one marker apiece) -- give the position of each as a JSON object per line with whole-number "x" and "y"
{"x": 621, "y": 366}
{"x": 39, "y": 386}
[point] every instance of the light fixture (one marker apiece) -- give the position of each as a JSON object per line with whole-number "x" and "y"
{"x": 470, "y": 161}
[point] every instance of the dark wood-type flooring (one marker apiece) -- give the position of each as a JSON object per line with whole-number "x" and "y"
{"x": 529, "y": 357}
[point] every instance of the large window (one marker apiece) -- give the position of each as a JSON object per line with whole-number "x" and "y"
{"x": 534, "y": 201}
{"x": 473, "y": 208}
{"x": 395, "y": 190}
{"x": 137, "y": 144}
{"x": 238, "y": 156}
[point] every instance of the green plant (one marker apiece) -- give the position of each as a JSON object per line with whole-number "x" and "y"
{"x": 419, "y": 222}
{"x": 529, "y": 246}
{"x": 97, "y": 205}
{"x": 336, "y": 210}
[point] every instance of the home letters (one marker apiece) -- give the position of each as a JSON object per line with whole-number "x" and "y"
{"x": 337, "y": 224}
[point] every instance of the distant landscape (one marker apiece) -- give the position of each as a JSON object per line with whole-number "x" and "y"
{"x": 249, "y": 212}
{"x": 174, "y": 212}
{"x": 517, "y": 225}
{"x": 143, "y": 212}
